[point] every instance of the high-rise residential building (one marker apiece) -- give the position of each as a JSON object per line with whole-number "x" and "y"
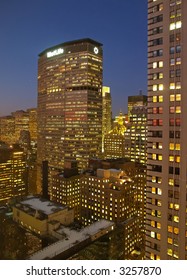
{"x": 107, "y": 113}
{"x": 69, "y": 104}
{"x": 166, "y": 226}
{"x": 136, "y": 100}
{"x": 114, "y": 140}
{"x": 136, "y": 135}
{"x": 13, "y": 179}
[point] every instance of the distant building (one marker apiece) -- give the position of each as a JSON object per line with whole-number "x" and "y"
{"x": 12, "y": 126}
{"x": 136, "y": 135}
{"x": 107, "y": 113}
{"x": 41, "y": 216}
{"x": 114, "y": 140}
{"x": 33, "y": 124}
{"x": 136, "y": 100}
{"x": 69, "y": 104}
{"x": 13, "y": 173}
{"x": 7, "y": 129}
{"x": 21, "y": 123}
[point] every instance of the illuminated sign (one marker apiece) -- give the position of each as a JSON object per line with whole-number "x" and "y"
{"x": 96, "y": 50}
{"x": 55, "y": 52}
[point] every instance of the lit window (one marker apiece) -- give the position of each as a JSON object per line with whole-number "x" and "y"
{"x": 160, "y": 98}
{"x": 152, "y": 234}
{"x": 154, "y": 98}
{"x": 176, "y": 230}
{"x": 159, "y": 157}
{"x": 176, "y": 219}
{"x": 178, "y": 97}
{"x": 170, "y": 252}
{"x": 172, "y": 26}
{"x": 171, "y": 146}
{"x": 170, "y": 240}
{"x": 172, "y": 97}
{"x": 171, "y": 158}
{"x": 178, "y": 60}
{"x": 172, "y": 86}
{"x": 171, "y": 182}
{"x": 159, "y": 191}
{"x": 177, "y": 147}
{"x": 154, "y": 87}
{"x": 160, "y": 87}
{"x": 178, "y": 24}
{"x": 178, "y": 85}
{"x": 154, "y": 156}
{"x": 154, "y": 65}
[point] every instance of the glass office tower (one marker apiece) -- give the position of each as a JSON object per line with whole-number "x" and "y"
{"x": 69, "y": 104}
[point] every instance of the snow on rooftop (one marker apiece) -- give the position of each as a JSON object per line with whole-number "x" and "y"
{"x": 72, "y": 237}
{"x": 37, "y": 203}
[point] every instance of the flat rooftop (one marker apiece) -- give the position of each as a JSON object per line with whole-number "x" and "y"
{"x": 73, "y": 237}
{"x": 40, "y": 204}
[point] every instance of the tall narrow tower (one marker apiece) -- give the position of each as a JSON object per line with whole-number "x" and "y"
{"x": 69, "y": 104}
{"x": 166, "y": 226}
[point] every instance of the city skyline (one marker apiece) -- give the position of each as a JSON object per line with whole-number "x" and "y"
{"x": 23, "y": 38}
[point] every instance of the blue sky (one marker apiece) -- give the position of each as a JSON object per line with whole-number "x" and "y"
{"x": 28, "y": 27}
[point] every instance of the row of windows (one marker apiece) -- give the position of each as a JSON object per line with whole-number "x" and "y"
{"x": 159, "y": 122}
{"x": 176, "y": 49}
{"x": 172, "y": 158}
{"x": 175, "y": 25}
{"x": 175, "y": 73}
{"x": 173, "y": 61}
{"x": 160, "y": 87}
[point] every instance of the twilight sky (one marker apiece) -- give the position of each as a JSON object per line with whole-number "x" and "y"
{"x": 27, "y": 27}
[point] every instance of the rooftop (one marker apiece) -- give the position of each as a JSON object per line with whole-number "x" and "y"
{"x": 72, "y": 237}
{"x": 40, "y": 204}
{"x": 74, "y": 42}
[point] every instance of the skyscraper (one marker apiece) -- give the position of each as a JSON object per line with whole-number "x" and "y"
{"x": 136, "y": 135}
{"x": 166, "y": 228}
{"x": 69, "y": 104}
{"x": 107, "y": 113}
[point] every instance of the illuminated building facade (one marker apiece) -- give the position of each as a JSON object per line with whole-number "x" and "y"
{"x": 21, "y": 123}
{"x": 114, "y": 140}
{"x": 7, "y": 129}
{"x": 166, "y": 227}
{"x": 12, "y": 173}
{"x": 66, "y": 187}
{"x": 136, "y": 100}
{"x": 69, "y": 104}
{"x": 109, "y": 189}
{"x": 110, "y": 194}
{"x": 107, "y": 113}
{"x": 12, "y": 126}
{"x": 33, "y": 124}
{"x": 136, "y": 135}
